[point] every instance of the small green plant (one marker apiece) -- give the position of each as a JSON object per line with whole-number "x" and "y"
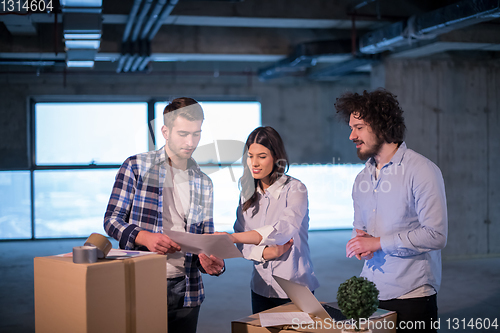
{"x": 357, "y": 298}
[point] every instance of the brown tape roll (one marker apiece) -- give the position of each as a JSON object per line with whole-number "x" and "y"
{"x": 102, "y": 244}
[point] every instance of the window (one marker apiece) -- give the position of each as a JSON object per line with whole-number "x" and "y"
{"x": 15, "y": 205}
{"x": 80, "y": 146}
{"x": 89, "y": 133}
{"x": 329, "y": 190}
{"x": 71, "y": 203}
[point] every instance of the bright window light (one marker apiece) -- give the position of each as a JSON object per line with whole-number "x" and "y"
{"x": 89, "y": 133}
{"x": 329, "y": 190}
{"x": 15, "y": 205}
{"x": 71, "y": 203}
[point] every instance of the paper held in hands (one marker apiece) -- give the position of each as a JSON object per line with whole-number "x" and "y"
{"x": 218, "y": 245}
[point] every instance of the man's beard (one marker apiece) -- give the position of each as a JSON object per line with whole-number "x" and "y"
{"x": 372, "y": 151}
{"x": 177, "y": 151}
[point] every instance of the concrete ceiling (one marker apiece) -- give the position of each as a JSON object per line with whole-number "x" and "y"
{"x": 269, "y": 38}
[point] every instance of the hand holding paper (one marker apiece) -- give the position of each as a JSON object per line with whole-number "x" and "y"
{"x": 156, "y": 242}
{"x": 212, "y": 265}
{"x": 218, "y": 245}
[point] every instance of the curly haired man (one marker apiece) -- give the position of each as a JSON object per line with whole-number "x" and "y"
{"x": 400, "y": 217}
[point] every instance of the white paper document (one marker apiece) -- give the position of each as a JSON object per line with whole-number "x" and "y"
{"x": 284, "y": 318}
{"x": 209, "y": 244}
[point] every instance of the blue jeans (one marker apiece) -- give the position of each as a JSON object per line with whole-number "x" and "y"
{"x": 180, "y": 319}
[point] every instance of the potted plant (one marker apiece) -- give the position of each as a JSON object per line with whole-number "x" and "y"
{"x": 357, "y": 298}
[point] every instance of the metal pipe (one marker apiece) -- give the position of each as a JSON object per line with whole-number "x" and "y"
{"x": 144, "y": 63}
{"x": 353, "y": 35}
{"x": 131, "y": 19}
{"x": 153, "y": 18}
{"x": 35, "y": 63}
{"x": 136, "y": 63}
{"x": 129, "y": 62}
{"x": 362, "y": 4}
{"x": 430, "y": 25}
{"x": 140, "y": 19}
{"x": 56, "y": 36}
{"x": 155, "y": 73}
{"x": 121, "y": 62}
{"x": 166, "y": 12}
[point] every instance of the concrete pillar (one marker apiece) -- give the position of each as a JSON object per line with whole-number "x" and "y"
{"x": 14, "y": 128}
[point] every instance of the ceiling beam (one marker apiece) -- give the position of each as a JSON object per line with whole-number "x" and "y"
{"x": 219, "y": 21}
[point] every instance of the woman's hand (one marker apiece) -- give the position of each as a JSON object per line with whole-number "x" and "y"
{"x": 276, "y": 251}
{"x": 246, "y": 237}
{"x": 231, "y": 237}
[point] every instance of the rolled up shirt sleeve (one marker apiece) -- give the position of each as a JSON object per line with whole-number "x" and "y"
{"x": 256, "y": 253}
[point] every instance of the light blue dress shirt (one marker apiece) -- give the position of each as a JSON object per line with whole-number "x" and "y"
{"x": 283, "y": 214}
{"x": 406, "y": 208}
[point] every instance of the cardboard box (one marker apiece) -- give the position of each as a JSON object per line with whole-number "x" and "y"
{"x": 122, "y": 296}
{"x": 384, "y": 323}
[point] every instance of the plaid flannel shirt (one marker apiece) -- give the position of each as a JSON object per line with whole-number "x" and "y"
{"x": 136, "y": 204}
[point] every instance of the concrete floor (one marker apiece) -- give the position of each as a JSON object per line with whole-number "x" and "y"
{"x": 470, "y": 287}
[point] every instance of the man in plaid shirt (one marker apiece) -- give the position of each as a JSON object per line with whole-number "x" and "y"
{"x": 166, "y": 190}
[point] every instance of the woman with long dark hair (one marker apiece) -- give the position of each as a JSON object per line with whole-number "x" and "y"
{"x": 272, "y": 220}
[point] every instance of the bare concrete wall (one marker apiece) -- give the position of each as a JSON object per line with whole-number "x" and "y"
{"x": 13, "y": 127}
{"x": 452, "y": 112}
{"x": 302, "y": 112}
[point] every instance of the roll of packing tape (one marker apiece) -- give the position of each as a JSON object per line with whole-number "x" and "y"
{"x": 102, "y": 244}
{"x": 84, "y": 254}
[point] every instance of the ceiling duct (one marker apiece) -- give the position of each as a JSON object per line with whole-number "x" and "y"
{"x": 82, "y": 29}
{"x": 305, "y": 55}
{"x": 417, "y": 30}
{"x": 429, "y": 25}
{"x": 343, "y": 68}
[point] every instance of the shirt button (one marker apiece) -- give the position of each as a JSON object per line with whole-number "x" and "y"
{"x": 374, "y": 210}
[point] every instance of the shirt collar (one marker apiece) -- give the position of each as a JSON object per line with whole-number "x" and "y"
{"x": 275, "y": 189}
{"x": 397, "y": 158}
